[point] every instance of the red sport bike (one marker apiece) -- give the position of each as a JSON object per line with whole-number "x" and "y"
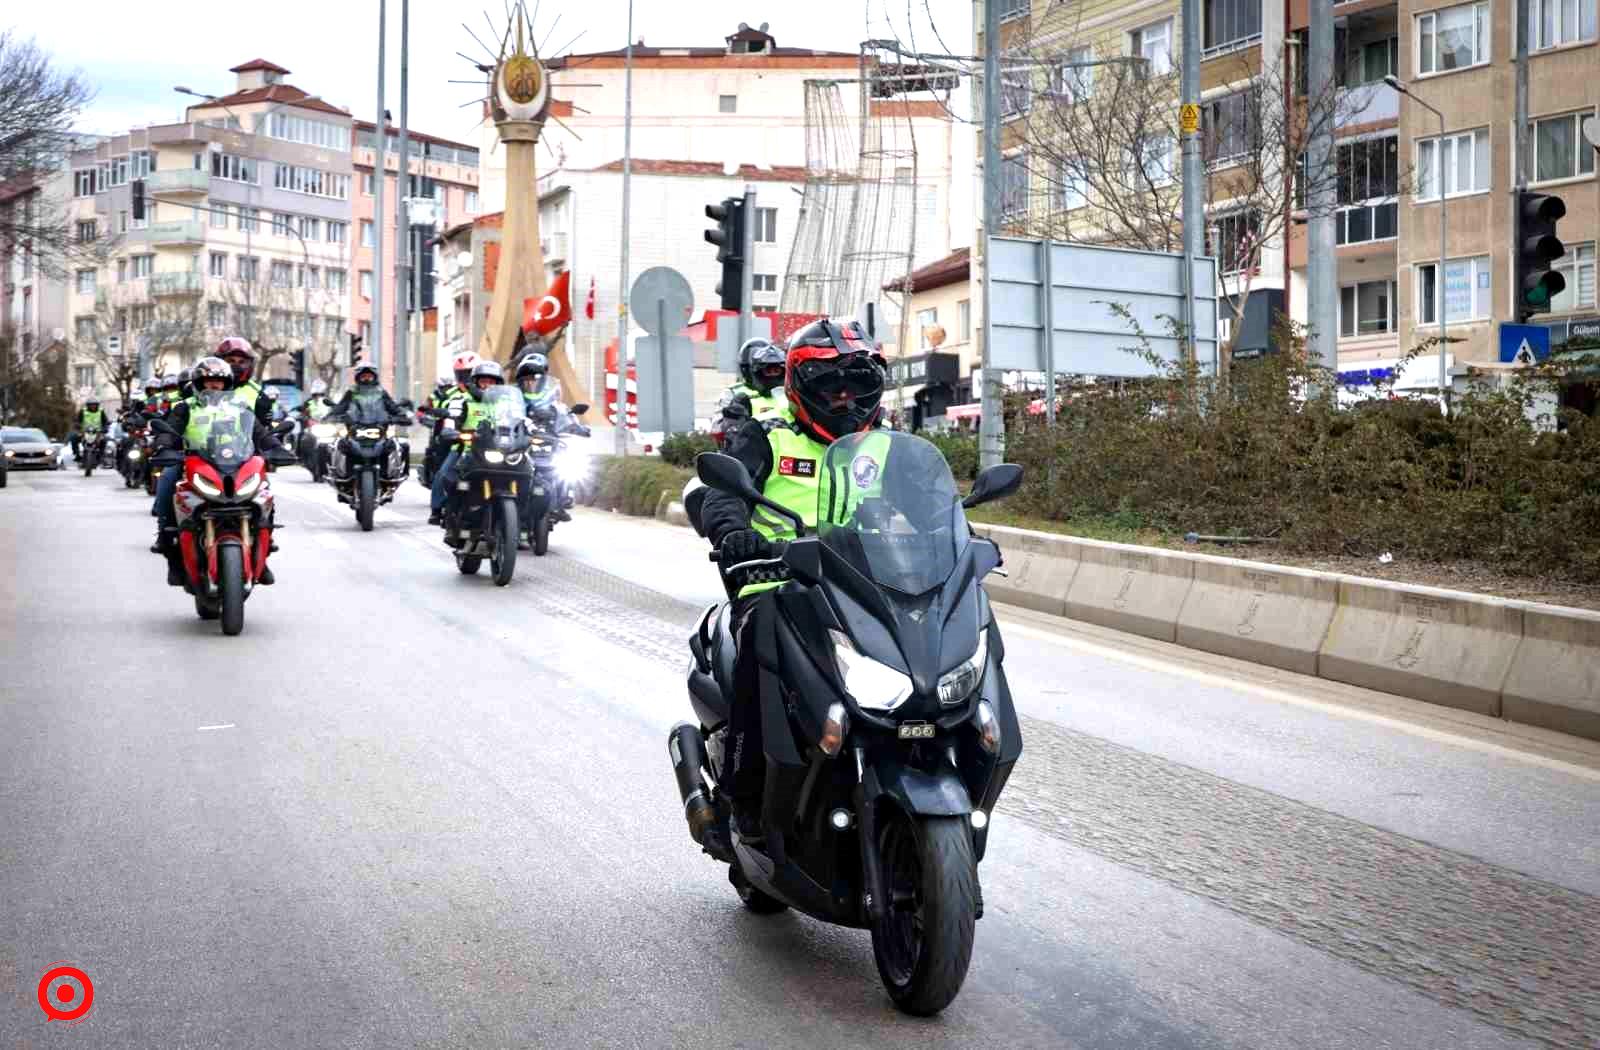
{"x": 224, "y": 512}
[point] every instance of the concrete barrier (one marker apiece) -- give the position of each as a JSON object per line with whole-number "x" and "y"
{"x": 1039, "y": 568}
{"x": 1267, "y": 614}
{"x": 1440, "y": 646}
{"x": 1555, "y": 676}
{"x": 1140, "y": 590}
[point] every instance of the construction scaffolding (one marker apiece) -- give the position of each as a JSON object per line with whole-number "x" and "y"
{"x": 859, "y": 213}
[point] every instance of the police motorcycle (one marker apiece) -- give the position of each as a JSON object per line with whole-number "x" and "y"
{"x": 314, "y": 447}
{"x": 367, "y": 465}
{"x": 493, "y": 472}
{"x": 135, "y": 465}
{"x": 559, "y": 466}
{"x": 91, "y": 448}
{"x": 224, "y": 507}
{"x": 890, "y": 727}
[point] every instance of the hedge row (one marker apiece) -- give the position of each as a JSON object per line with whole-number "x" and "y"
{"x": 634, "y": 484}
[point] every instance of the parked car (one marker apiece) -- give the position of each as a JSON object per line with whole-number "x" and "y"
{"x": 27, "y": 448}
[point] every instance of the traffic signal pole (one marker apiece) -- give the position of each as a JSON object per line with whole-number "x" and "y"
{"x": 747, "y": 251}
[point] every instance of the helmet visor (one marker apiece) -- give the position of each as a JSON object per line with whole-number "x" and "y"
{"x": 832, "y": 378}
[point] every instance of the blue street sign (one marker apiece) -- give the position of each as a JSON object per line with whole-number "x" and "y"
{"x": 1524, "y": 344}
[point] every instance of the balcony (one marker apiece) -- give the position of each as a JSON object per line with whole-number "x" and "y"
{"x": 554, "y": 249}
{"x": 182, "y": 233}
{"x": 1367, "y": 104}
{"x": 174, "y": 285}
{"x": 178, "y": 182}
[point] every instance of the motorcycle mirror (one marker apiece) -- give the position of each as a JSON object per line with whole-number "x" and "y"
{"x": 994, "y": 483}
{"x": 725, "y": 474}
{"x": 580, "y": 408}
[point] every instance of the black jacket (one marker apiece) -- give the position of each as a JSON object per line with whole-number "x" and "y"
{"x": 341, "y": 409}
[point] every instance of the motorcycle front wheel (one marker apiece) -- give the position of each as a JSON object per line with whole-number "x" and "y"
{"x": 230, "y": 581}
{"x": 503, "y": 561}
{"x": 541, "y": 535}
{"x": 367, "y": 499}
{"x": 923, "y": 943}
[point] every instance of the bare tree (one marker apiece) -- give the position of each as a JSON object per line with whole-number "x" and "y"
{"x": 38, "y": 103}
{"x": 279, "y": 312}
{"x": 167, "y": 332}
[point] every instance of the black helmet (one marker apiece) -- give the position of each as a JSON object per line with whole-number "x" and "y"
{"x": 186, "y": 380}
{"x": 368, "y": 369}
{"x": 532, "y": 364}
{"x": 834, "y": 379}
{"x": 487, "y": 369}
{"x": 210, "y": 368}
{"x": 761, "y": 364}
{"x": 171, "y": 381}
{"x": 93, "y": 402}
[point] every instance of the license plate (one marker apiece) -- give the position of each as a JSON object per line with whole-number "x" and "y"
{"x": 916, "y": 731}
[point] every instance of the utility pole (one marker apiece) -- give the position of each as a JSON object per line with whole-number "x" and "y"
{"x": 402, "y": 231}
{"x": 747, "y": 283}
{"x": 991, "y": 427}
{"x": 1194, "y": 208}
{"x": 622, "y": 280}
{"x": 379, "y": 173}
{"x": 1321, "y": 267}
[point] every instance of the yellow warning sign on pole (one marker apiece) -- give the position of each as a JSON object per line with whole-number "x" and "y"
{"x": 1189, "y": 118}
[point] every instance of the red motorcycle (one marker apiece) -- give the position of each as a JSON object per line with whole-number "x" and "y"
{"x": 224, "y": 512}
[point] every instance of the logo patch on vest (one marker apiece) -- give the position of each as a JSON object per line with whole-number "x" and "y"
{"x": 795, "y": 467}
{"x": 864, "y": 469}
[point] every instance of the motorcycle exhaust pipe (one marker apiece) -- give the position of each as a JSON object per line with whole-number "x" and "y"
{"x": 688, "y": 754}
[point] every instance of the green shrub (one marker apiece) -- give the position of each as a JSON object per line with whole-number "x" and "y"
{"x": 680, "y": 449}
{"x": 960, "y": 451}
{"x": 634, "y": 485}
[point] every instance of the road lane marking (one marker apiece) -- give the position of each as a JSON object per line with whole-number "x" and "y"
{"x": 225, "y": 725}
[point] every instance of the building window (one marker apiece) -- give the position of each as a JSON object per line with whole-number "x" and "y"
{"x": 1577, "y": 266}
{"x": 1071, "y": 80}
{"x": 217, "y": 315}
{"x": 244, "y": 320}
{"x": 280, "y": 225}
{"x": 122, "y": 222}
{"x": 279, "y": 274}
{"x": 1453, "y": 38}
{"x": 83, "y": 182}
{"x": 219, "y": 216}
{"x": 219, "y": 264}
{"x": 234, "y": 168}
{"x": 472, "y": 202}
{"x": 364, "y": 332}
{"x": 964, "y": 319}
{"x": 1150, "y": 161}
{"x": 1230, "y": 24}
{"x": 1010, "y": 9}
{"x": 143, "y": 163}
{"x": 143, "y": 265}
{"x": 1154, "y": 44}
{"x": 310, "y": 229}
{"x": 1559, "y": 149}
{"x": 85, "y": 282}
{"x": 337, "y": 231}
{"x": 292, "y": 128}
{"x": 366, "y": 233}
{"x": 1016, "y": 94}
{"x": 86, "y": 231}
{"x": 926, "y": 319}
{"x": 249, "y": 268}
{"x": 1375, "y": 60}
{"x": 1366, "y": 308}
{"x": 122, "y": 270}
{"x": 84, "y": 374}
{"x": 764, "y": 282}
{"x": 332, "y": 329}
{"x": 366, "y": 284}
{"x": 311, "y": 181}
{"x": 727, "y": 103}
{"x": 1466, "y": 290}
{"x": 1557, "y": 22}
{"x": 1236, "y": 245}
{"x": 1367, "y": 191}
{"x": 1014, "y": 185}
{"x": 766, "y": 226}
{"x": 312, "y": 277}
{"x": 1073, "y": 177}
{"x": 336, "y": 280}
{"x": 1230, "y": 131}
{"x": 118, "y": 171}
{"x": 249, "y": 219}
{"x": 1462, "y": 159}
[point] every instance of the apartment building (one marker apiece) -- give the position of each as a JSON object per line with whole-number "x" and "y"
{"x": 442, "y": 186}
{"x": 33, "y": 304}
{"x": 246, "y": 230}
{"x": 1390, "y": 158}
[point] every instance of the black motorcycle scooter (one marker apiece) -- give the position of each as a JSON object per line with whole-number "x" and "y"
{"x": 888, "y": 726}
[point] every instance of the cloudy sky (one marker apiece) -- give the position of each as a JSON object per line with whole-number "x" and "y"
{"x": 136, "y": 52}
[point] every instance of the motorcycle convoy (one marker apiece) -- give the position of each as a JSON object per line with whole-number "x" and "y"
{"x": 888, "y": 728}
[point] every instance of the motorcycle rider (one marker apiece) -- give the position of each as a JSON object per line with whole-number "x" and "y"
{"x": 211, "y": 374}
{"x": 185, "y": 386}
{"x": 833, "y": 384}
{"x": 762, "y": 364}
{"x": 465, "y": 411}
{"x": 242, "y": 358}
{"x": 366, "y": 386}
{"x": 169, "y": 392}
{"x": 91, "y": 417}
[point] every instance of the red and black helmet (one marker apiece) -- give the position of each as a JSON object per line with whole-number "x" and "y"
{"x": 834, "y": 379}
{"x": 240, "y": 355}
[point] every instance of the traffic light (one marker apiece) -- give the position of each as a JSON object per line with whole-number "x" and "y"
{"x": 138, "y": 199}
{"x": 355, "y": 348}
{"x": 1537, "y": 247}
{"x": 729, "y": 239}
{"x": 297, "y": 361}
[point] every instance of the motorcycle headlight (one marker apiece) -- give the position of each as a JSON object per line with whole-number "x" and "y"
{"x": 323, "y": 431}
{"x": 514, "y": 458}
{"x": 491, "y": 455}
{"x": 571, "y": 465}
{"x": 133, "y": 453}
{"x": 206, "y": 487}
{"x": 957, "y": 684}
{"x": 248, "y": 487}
{"x": 872, "y": 684}
{"x": 342, "y": 430}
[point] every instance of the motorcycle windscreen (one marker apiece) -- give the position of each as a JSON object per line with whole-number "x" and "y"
{"x": 503, "y": 406}
{"x": 220, "y": 428}
{"x": 366, "y": 409}
{"x": 887, "y": 505}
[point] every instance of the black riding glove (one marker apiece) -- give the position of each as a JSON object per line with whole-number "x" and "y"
{"x": 742, "y": 545}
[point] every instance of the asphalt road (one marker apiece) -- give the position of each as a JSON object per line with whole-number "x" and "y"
{"x": 408, "y": 808}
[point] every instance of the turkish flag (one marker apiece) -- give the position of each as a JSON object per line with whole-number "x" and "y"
{"x": 588, "y": 307}
{"x": 551, "y": 311}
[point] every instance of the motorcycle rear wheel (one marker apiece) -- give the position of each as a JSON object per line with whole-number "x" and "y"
{"x": 230, "y": 573}
{"x": 923, "y": 943}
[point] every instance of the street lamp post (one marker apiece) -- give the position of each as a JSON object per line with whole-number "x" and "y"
{"x": 1438, "y": 167}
